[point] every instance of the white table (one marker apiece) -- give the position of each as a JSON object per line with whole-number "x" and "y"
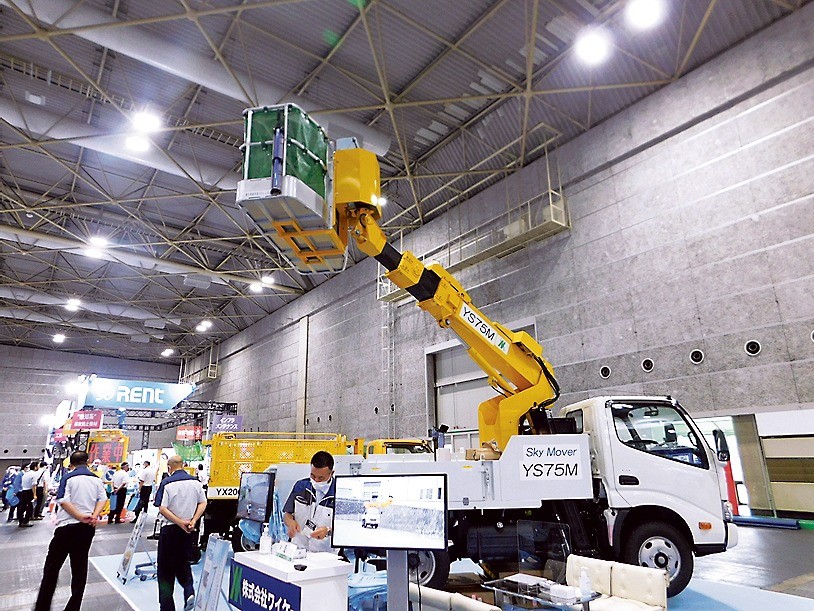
{"x": 264, "y": 579}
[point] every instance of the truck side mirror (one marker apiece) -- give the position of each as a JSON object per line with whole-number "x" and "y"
{"x": 721, "y": 446}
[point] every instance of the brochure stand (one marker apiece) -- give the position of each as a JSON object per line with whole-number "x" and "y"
{"x": 144, "y": 571}
{"x": 218, "y": 556}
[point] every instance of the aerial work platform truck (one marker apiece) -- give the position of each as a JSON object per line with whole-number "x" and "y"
{"x": 628, "y": 478}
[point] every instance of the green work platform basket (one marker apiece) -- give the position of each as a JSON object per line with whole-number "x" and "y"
{"x": 286, "y": 188}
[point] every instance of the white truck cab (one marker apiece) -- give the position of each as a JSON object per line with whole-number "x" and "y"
{"x": 665, "y": 487}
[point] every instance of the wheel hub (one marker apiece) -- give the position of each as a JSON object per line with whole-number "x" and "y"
{"x": 660, "y": 553}
{"x": 421, "y": 566}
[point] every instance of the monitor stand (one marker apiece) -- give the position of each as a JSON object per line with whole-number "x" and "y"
{"x": 397, "y": 580}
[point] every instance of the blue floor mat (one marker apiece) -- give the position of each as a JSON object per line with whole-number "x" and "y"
{"x": 702, "y": 595}
{"x": 143, "y": 595}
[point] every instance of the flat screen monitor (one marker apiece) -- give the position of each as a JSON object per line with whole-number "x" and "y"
{"x": 394, "y": 511}
{"x": 255, "y": 496}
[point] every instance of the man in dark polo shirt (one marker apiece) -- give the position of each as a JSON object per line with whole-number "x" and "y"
{"x": 181, "y": 502}
{"x": 80, "y": 499}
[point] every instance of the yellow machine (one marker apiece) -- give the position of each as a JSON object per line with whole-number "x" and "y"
{"x": 246, "y": 452}
{"x": 311, "y": 200}
{"x": 236, "y": 453}
{"x": 109, "y": 446}
{"x": 397, "y": 446}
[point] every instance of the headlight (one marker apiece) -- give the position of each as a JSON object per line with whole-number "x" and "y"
{"x": 727, "y": 506}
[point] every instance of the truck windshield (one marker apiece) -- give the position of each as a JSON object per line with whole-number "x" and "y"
{"x": 658, "y": 429}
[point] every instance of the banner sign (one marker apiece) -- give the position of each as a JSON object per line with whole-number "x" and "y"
{"x": 251, "y": 590}
{"x": 87, "y": 419}
{"x": 189, "y": 432}
{"x": 224, "y": 423}
{"x": 216, "y": 559}
{"x": 59, "y": 436}
{"x": 105, "y": 392}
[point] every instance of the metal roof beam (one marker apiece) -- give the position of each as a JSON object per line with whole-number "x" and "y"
{"x": 140, "y": 44}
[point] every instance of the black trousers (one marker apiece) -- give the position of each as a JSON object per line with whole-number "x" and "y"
{"x": 26, "y": 508}
{"x": 70, "y": 540}
{"x": 38, "y": 507}
{"x": 121, "y": 510}
{"x": 143, "y": 499}
{"x": 174, "y": 544}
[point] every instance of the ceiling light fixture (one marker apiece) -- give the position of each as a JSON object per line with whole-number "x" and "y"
{"x": 146, "y": 121}
{"x": 73, "y": 305}
{"x": 267, "y": 279}
{"x": 593, "y": 46}
{"x": 138, "y": 144}
{"x": 644, "y": 14}
{"x": 98, "y": 241}
{"x": 201, "y": 328}
{"x": 167, "y": 352}
{"x": 206, "y": 323}
{"x": 256, "y": 287}
{"x": 93, "y": 253}
{"x": 59, "y": 338}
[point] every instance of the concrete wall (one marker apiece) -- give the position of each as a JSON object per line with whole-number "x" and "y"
{"x": 32, "y": 384}
{"x": 693, "y": 227}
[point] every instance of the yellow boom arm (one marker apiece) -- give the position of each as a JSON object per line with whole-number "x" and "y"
{"x": 512, "y": 360}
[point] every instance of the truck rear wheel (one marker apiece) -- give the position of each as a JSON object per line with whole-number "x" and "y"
{"x": 661, "y": 546}
{"x": 428, "y": 567}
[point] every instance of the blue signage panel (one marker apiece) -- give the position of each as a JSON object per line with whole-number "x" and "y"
{"x": 251, "y": 590}
{"x": 227, "y": 423}
{"x": 135, "y": 394}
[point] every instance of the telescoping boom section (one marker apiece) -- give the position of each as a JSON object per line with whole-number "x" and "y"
{"x": 512, "y": 360}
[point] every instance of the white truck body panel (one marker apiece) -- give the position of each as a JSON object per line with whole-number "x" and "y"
{"x": 533, "y": 468}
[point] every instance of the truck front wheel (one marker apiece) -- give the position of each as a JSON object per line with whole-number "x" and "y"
{"x": 428, "y": 567}
{"x": 661, "y": 546}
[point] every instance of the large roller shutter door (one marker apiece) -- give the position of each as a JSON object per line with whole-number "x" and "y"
{"x": 460, "y": 386}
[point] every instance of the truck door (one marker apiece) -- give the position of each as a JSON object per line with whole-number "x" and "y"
{"x": 659, "y": 458}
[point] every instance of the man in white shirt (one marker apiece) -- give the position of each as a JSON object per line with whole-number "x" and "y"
{"x": 146, "y": 479}
{"x": 26, "y": 495}
{"x": 181, "y": 502}
{"x": 80, "y": 499}
{"x": 119, "y": 483}
{"x": 41, "y": 490}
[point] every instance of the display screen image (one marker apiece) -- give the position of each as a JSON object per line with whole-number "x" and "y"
{"x": 254, "y": 498}
{"x": 390, "y": 511}
{"x": 106, "y": 451}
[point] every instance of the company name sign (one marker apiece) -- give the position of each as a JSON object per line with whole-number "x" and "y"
{"x": 137, "y": 394}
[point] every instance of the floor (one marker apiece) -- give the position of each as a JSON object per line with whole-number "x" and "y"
{"x": 776, "y": 560}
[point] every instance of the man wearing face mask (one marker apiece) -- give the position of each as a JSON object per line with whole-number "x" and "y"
{"x": 308, "y": 511}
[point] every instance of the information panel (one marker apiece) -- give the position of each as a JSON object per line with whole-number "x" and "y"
{"x": 251, "y": 590}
